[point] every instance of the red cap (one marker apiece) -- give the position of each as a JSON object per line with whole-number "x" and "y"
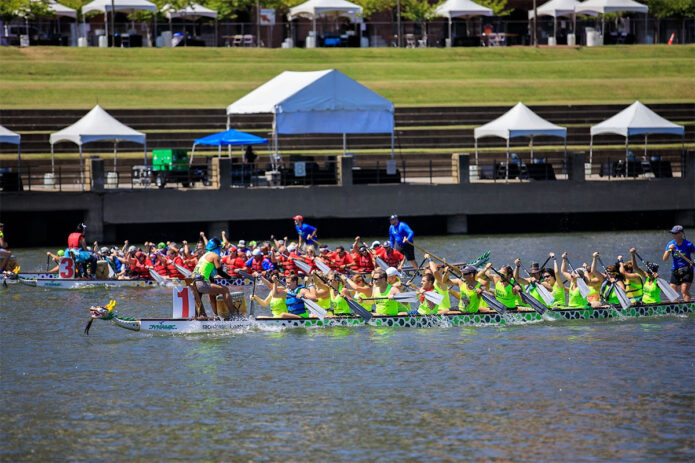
{"x": 298, "y": 217}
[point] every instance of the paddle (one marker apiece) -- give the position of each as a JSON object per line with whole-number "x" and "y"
{"x": 306, "y": 268}
{"x": 619, "y": 292}
{"x": 410, "y": 296}
{"x": 354, "y": 306}
{"x": 527, "y": 298}
{"x": 380, "y": 262}
{"x": 496, "y": 305}
{"x": 584, "y": 289}
{"x": 678, "y": 253}
{"x": 48, "y": 262}
{"x": 669, "y": 292}
{"x": 183, "y": 271}
{"x": 542, "y": 290}
{"x": 157, "y": 277}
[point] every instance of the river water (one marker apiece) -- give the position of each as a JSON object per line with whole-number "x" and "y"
{"x": 572, "y": 391}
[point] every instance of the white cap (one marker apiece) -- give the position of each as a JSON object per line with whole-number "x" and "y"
{"x": 291, "y": 247}
{"x": 242, "y": 243}
{"x": 391, "y": 271}
{"x": 257, "y": 252}
{"x": 375, "y": 244}
{"x": 104, "y": 250}
{"x": 132, "y": 249}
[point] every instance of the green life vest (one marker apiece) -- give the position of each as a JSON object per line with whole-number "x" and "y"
{"x": 446, "y": 302}
{"x": 634, "y": 290}
{"x": 204, "y": 268}
{"x": 651, "y": 292}
{"x": 340, "y": 305}
{"x": 611, "y": 297}
{"x": 558, "y": 293}
{"x": 576, "y": 300}
{"x": 278, "y": 306}
{"x": 386, "y": 306}
{"x": 470, "y": 300}
{"x": 504, "y": 294}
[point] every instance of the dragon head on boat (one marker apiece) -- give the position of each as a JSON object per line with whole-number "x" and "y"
{"x": 102, "y": 313}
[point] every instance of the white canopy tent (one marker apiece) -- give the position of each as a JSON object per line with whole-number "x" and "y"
{"x": 636, "y": 119}
{"x": 97, "y": 125}
{"x": 461, "y": 9}
{"x": 8, "y": 136}
{"x": 193, "y": 11}
{"x": 519, "y": 121}
{"x": 127, "y": 6}
{"x": 315, "y": 8}
{"x": 557, "y": 8}
{"x": 61, "y": 10}
{"x": 611, "y": 6}
{"x": 317, "y": 102}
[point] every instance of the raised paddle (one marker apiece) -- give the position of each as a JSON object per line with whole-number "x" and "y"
{"x": 619, "y": 292}
{"x": 527, "y": 298}
{"x": 183, "y": 271}
{"x": 253, "y": 291}
{"x": 157, "y": 277}
{"x": 584, "y": 289}
{"x": 542, "y": 290}
{"x": 678, "y": 253}
{"x": 354, "y": 306}
{"x": 665, "y": 288}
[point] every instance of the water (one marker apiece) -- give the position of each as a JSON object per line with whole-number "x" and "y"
{"x": 573, "y": 391}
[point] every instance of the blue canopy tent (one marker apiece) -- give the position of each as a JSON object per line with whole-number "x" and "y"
{"x": 227, "y": 138}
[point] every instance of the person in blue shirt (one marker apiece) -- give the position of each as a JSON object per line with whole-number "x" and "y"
{"x": 400, "y": 236}
{"x": 307, "y": 233}
{"x": 681, "y": 269}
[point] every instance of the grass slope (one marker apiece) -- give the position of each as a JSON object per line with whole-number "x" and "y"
{"x": 62, "y": 77}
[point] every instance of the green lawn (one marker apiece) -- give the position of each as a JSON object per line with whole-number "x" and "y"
{"x": 62, "y": 78}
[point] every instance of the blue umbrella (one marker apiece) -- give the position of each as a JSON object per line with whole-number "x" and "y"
{"x": 228, "y": 138}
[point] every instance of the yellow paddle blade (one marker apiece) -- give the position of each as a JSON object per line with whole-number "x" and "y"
{"x": 110, "y": 306}
{"x": 16, "y": 270}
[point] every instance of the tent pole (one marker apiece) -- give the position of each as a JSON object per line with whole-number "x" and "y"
{"x": 217, "y": 40}
{"x": 19, "y": 160}
{"x": 81, "y": 168}
{"x": 53, "y": 167}
{"x": 344, "y": 143}
{"x": 219, "y": 151}
{"x": 531, "y": 149}
{"x": 627, "y": 141}
{"x": 566, "y": 169}
{"x": 555, "y": 28}
{"x": 476, "y": 152}
{"x": 451, "y": 39}
{"x": 275, "y": 141}
{"x": 645, "y": 147}
{"x": 646, "y": 24}
{"x": 391, "y": 143}
{"x": 229, "y": 147}
{"x": 190, "y": 160}
{"x": 591, "y": 149}
{"x": 506, "y": 173}
{"x": 114, "y": 155}
{"x": 145, "y": 151}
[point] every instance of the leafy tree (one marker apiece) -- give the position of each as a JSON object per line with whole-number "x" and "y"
{"x": 29, "y": 9}
{"x": 661, "y": 9}
{"x": 498, "y": 7}
{"x": 370, "y": 7}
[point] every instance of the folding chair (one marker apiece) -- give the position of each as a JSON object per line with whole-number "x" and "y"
{"x": 236, "y": 42}
{"x": 249, "y": 41}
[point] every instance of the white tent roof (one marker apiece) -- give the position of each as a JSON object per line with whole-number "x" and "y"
{"x": 97, "y": 125}
{"x": 314, "y": 8}
{"x": 610, "y": 6}
{"x": 518, "y": 122}
{"x": 119, "y": 5}
{"x": 61, "y": 10}
{"x": 8, "y": 136}
{"x": 192, "y": 10}
{"x": 556, "y": 8}
{"x": 318, "y": 102}
{"x": 637, "y": 119}
{"x": 458, "y": 8}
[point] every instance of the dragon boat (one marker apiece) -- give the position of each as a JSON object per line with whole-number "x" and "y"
{"x": 511, "y": 317}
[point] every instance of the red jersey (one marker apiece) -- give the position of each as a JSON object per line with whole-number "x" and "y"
{"x": 392, "y": 258}
{"x": 363, "y": 263}
{"x": 340, "y": 263}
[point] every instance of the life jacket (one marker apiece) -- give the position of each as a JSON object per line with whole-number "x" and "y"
{"x": 140, "y": 269}
{"x": 160, "y": 266}
{"x": 294, "y": 304}
{"x": 393, "y": 258}
{"x": 74, "y": 240}
{"x": 234, "y": 264}
{"x": 287, "y": 264}
{"x": 364, "y": 263}
{"x": 190, "y": 263}
{"x": 257, "y": 264}
{"x": 337, "y": 261}
{"x": 171, "y": 270}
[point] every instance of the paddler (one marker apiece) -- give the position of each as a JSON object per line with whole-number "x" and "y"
{"x": 56, "y": 258}
{"x": 77, "y": 246}
{"x": 338, "y": 293}
{"x": 553, "y": 284}
{"x": 294, "y": 293}
{"x": 322, "y": 292}
{"x": 4, "y": 252}
{"x": 470, "y": 290}
{"x": 276, "y": 297}
{"x": 385, "y": 305}
{"x": 634, "y": 284}
{"x": 651, "y": 293}
{"x": 426, "y": 306}
{"x": 505, "y": 291}
{"x": 306, "y": 233}
{"x": 441, "y": 283}
{"x": 393, "y": 276}
{"x": 389, "y": 255}
{"x": 681, "y": 271}
{"x": 530, "y": 284}
{"x": 575, "y": 298}
{"x": 210, "y": 265}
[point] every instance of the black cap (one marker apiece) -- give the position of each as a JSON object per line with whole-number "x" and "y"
{"x": 393, "y": 217}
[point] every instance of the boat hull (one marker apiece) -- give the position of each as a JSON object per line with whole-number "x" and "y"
{"x": 57, "y": 283}
{"x": 185, "y": 326}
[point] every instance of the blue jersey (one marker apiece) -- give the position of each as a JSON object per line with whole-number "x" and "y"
{"x": 686, "y": 248}
{"x": 398, "y": 232}
{"x": 304, "y": 231}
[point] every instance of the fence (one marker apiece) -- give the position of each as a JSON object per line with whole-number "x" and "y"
{"x": 378, "y": 34}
